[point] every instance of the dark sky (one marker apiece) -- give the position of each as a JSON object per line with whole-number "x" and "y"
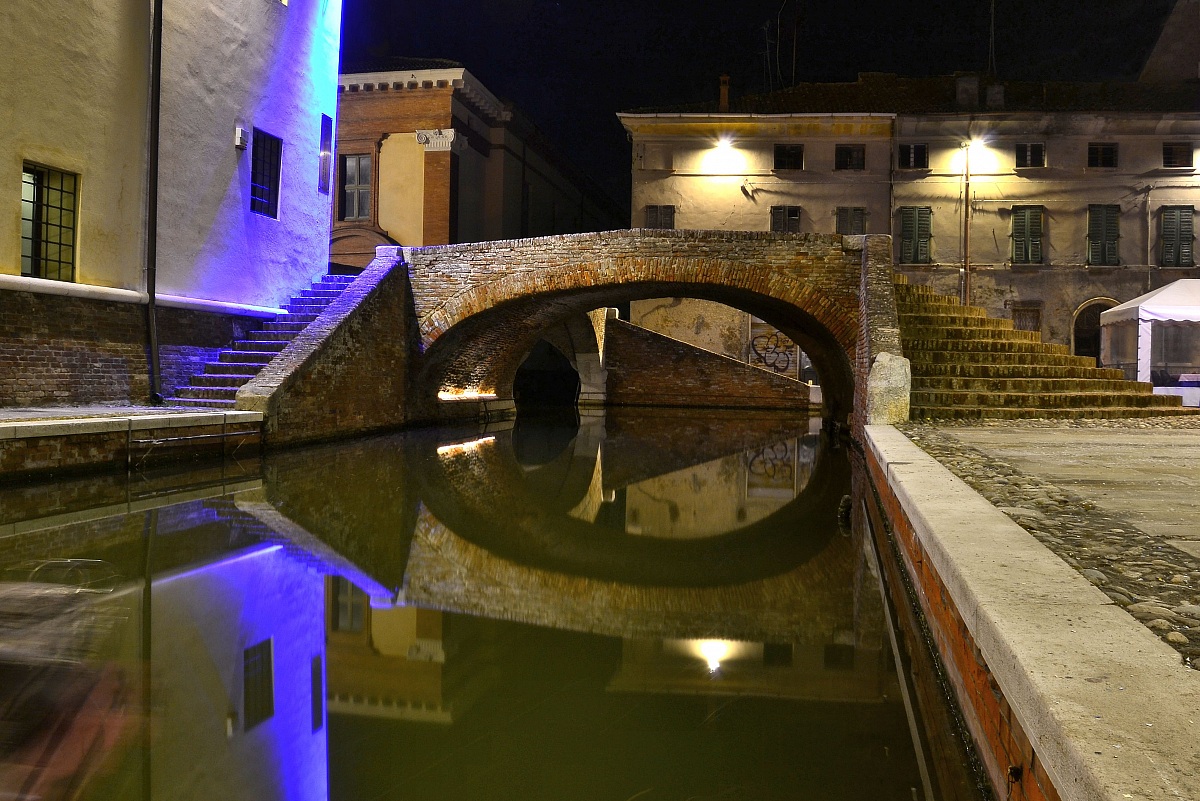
{"x": 571, "y": 65}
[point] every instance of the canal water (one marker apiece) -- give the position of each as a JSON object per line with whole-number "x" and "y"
{"x": 638, "y": 604}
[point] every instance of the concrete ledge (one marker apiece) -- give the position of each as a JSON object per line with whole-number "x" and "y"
{"x": 46, "y": 286}
{"x": 97, "y": 425}
{"x": 1111, "y": 711}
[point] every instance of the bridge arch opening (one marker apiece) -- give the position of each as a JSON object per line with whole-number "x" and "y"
{"x": 481, "y": 354}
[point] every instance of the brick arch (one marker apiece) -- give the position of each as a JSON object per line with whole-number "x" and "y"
{"x": 476, "y": 340}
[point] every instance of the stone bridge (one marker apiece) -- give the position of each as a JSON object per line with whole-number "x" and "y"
{"x": 437, "y": 333}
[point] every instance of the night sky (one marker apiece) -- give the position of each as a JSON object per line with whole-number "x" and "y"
{"x": 570, "y": 66}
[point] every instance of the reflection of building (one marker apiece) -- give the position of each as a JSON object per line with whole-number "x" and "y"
{"x": 391, "y": 662}
{"x": 244, "y": 184}
{"x": 1081, "y": 195}
{"x": 428, "y": 156}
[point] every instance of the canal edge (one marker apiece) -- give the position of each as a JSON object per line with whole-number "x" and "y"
{"x": 1066, "y": 695}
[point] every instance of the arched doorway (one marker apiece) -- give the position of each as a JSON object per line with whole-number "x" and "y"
{"x": 1085, "y": 330}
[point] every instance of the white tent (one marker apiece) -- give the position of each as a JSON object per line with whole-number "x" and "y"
{"x": 1155, "y": 337}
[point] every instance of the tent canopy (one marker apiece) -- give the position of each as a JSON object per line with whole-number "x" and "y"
{"x": 1176, "y": 302}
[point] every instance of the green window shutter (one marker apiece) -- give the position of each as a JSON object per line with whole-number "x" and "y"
{"x": 858, "y": 220}
{"x": 924, "y": 231}
{"x": 1112, "y": 222}
{"x": 1170, "y": 236}
{"x": 652, "y": 216}
{"x": 1186, "y": 236}
{"x": 1095, "y": 234}
{"x": 1020, "y": 235}
{"x": 908, "y": 234}
{"x": 1034, "y": 228}
{"x": 778, "y": 221}
{"x": 843, "y": 220}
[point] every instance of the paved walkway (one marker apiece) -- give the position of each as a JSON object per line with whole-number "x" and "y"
{"x": 1117, "y": 500}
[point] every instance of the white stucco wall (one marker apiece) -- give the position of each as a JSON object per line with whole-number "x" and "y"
{"x": 401, "y": 196}
{"x": 253, "y": 64}
{"x": 74, "y": 99}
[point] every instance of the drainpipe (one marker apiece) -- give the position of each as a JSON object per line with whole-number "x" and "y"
{"x": 152, "y": 201}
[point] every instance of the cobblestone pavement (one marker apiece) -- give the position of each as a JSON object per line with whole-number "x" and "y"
{"x": 1118, "y": 500}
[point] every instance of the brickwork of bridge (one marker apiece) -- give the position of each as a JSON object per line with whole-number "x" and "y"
{"x": 437, "y": 333}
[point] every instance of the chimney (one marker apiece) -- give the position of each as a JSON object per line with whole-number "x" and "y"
{"x": 724, "y": 104}
{"x": 966, "y": 91}
{"x": 995, "y": 96}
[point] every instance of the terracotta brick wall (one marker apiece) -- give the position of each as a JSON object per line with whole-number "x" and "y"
{"x": 57, "y": 350}
{"x": 648, "y": 369}
{"x": 999, "y": 736}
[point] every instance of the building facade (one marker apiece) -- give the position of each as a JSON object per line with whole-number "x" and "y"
{"x": 428, "y": 156}
{"x": 244, "y": 164}
{"x": 1078, "y": 196}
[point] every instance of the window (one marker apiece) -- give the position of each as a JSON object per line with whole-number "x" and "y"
{"x": 851, "y": 220}
{"x": 1030, "y": 154}
{"x": 1102, "y": 154}
{"x": 349, "y": 606}
{"x": 660, "y": 216}
{"x": 258, "y": 686}
{"x": 785, "y": 219}
{"x": 1027, "y": 316}
{"x": 1177, "y": 154}
{"x": 354, "y": 199}
{"x": 265, "y": 165}
{"x": 1103, "y": 232}
{"x": 789, "y": 157}
{"x": 1178, "y": 235}
{"x": 325, "y": 166}
{"x": 48, "y": 201}
{"x": 850, "y": 157}
{"x": 915, "y": 225}
{"x": 318, "y": 693}
{"x": 913, "y": 157}
{"x": 1027, "y": 230}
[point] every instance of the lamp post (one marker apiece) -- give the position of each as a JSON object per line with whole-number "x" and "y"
{"x": 965, "y": 281}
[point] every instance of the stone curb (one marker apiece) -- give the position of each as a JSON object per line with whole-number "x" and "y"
{"x": 138, "y": 422}
{"x": 1110, "y": 710}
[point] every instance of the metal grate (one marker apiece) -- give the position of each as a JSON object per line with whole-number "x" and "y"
{"x": 265, "y": 166}
{"x": 258, "y": 687}
{"x": 48, "y": 202}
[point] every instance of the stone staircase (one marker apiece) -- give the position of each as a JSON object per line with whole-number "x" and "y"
{"x": 967, "y": 365}
{"x": 217, "y": 386}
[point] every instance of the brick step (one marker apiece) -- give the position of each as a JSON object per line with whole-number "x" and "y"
{"x": 297, "y": 317}
{"x": 916, "y": 346}
{"x": 259, "y": 357}
{"x": 292, "y": 326}
{"x": 975, "y": 370}
{"x": 920, "y": 358}
{"x": 260, "y": 346}
{"x": 334, "y": 282}
{"x": 248, "y": 369}
{"x": 204, "y": 403}
{"x": 331, "y": 294}
{"x": 939, "y": 305}
{"x": 1042, "y": 400}
{"x": 962, "y": 332}
{"x": 927, "y": 319}
{"x": 976, "y": 413}
{"x": 207, "y": 393}
{"x": 295, "y": 306}
{"x": 1023, "y": 384}
{"x": 234, "y": 380}
{"x": 270, "y": 336}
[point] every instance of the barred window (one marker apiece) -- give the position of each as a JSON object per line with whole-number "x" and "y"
{"x": 850, "y": 157}
{"x": 1102, "y": 154}
{"x": 913, "y": 157}
{"x": 266, "y": 164}
{"x": 1177, "y": 154}
{"x": 350, "y": 606}
{"x": 325, "y": 158}
{"x": 49, "y": 198}
{"x": 1030, "y": 154}
{"x": 789, "y": 157}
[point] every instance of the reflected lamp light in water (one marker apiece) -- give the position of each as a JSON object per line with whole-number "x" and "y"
{"x": 466, "y": 394}
{"x": 460, "y": 448}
